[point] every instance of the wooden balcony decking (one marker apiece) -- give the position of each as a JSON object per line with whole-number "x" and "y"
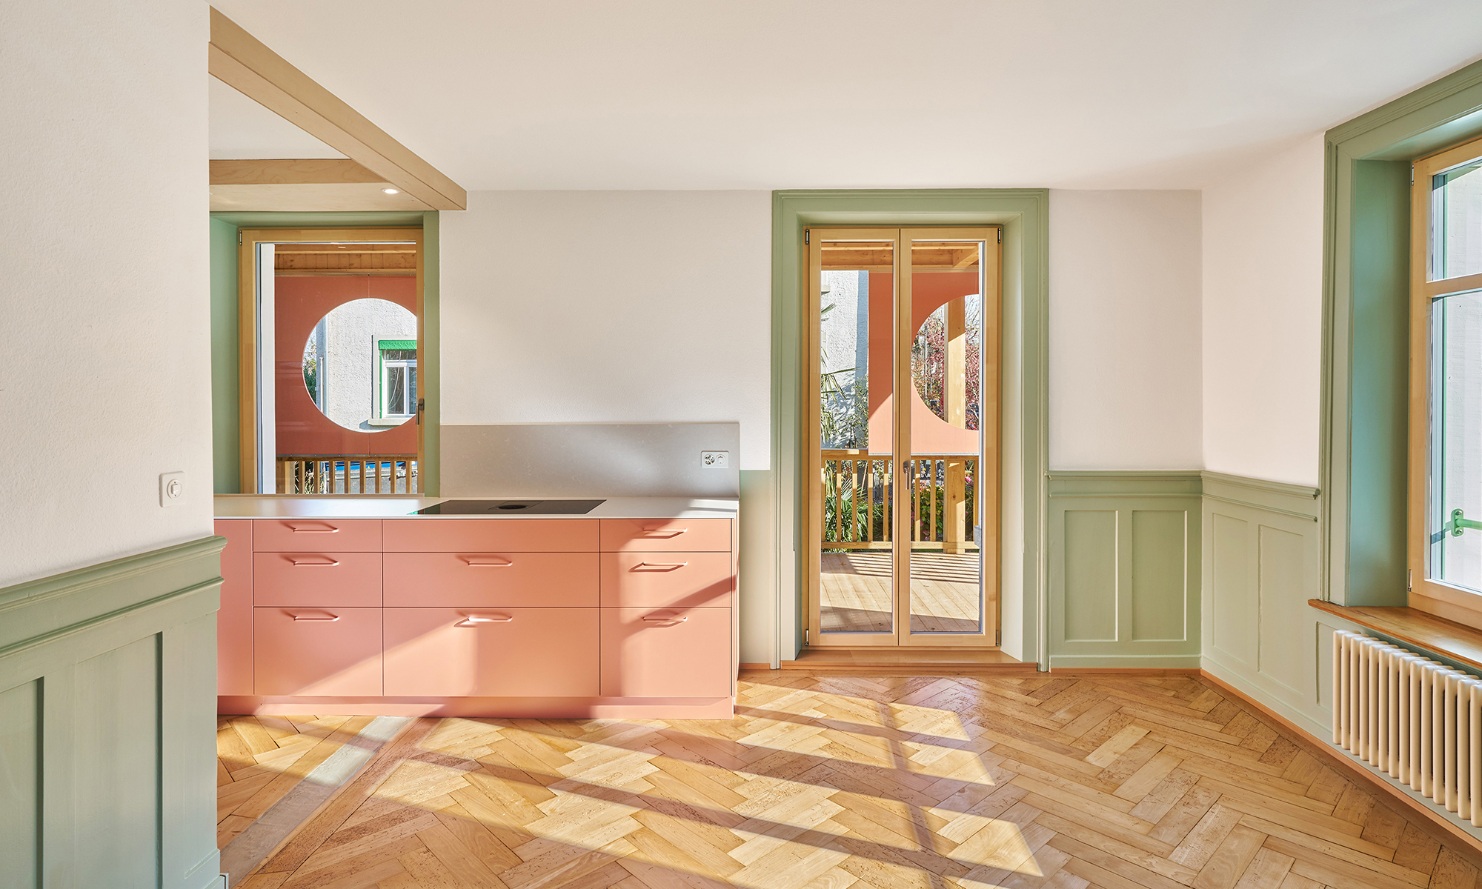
{"x": 854, "y": 592}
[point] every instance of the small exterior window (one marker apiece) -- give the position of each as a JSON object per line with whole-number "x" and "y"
{"x": 397, "y": 377}
{"x": 1446, "y": 384}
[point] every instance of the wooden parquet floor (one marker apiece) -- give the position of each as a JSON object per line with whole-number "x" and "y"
{"x": 875, "y": 783}
{"x": 258, "y": 761}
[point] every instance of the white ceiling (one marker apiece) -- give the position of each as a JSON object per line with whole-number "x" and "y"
{"x": 241, "y": 128}
{"x": 764, "y": 94}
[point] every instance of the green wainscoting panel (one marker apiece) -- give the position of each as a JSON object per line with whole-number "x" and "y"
{"x": 1366, "y": 329}
{"x": 1262, "y": 563}
{"x": 1024, "y": 216}
{"x": 107, "y": 724}
{"x": 1124, "y": 569}
{"x": 20, "y": 786}
{"x": 1089, "y": 548}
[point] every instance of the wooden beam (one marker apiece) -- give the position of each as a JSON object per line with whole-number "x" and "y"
{"x": 291, "y": 171}
{"x": 241, "y": 61}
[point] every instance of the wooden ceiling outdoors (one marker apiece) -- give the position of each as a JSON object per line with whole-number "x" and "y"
{"x": 300, "y": 259}
{"x": 877, "y": 256}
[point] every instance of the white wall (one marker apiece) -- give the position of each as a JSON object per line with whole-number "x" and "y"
{"x": 1125, "y": 330}
{"x": 591, "y": 307}
{"x": 1263, "y": 316}
{"x": 106, "y": 381}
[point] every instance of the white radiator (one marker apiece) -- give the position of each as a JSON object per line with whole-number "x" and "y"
{"x": 1411, "y": 717}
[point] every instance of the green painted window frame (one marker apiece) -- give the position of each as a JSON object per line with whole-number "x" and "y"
{"x": 382, "y": 347}
{"x": 1366, "y": 303}
{"x": 223, "y": 234}
{"x": 1024, "y": 216}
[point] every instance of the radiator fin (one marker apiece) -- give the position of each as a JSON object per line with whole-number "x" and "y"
{"x": 1417, "y": 720}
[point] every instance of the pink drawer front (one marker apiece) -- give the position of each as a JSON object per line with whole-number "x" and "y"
{"x": 509, "y": 580}
{"x": 666, "y": 653}
{"x": 666, "y": 580}
{"x": 340, "y": 535}
{"x": 317, "y": 651}
{"x": 495, "y": 652}
{"x": 666, "y": 535}
{"x": 347, "y": 580}
{"x": 234, "y": 620}
{"x": 490, "y": 535}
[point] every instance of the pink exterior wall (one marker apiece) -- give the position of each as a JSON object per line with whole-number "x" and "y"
{"x": 929, "y": 292}
{"x": 300, "y": 302}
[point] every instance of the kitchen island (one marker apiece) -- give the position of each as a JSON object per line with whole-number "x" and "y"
{"x": 360, "y": 605}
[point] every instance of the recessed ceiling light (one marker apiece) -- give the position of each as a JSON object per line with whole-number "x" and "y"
{"x": 390, "y": 191}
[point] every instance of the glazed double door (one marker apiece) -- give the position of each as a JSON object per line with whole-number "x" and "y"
{"x": 901, "y": 358}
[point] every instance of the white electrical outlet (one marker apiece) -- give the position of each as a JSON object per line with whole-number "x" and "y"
{"x": 715, "y": 459}
{"x": 172, "y": 488}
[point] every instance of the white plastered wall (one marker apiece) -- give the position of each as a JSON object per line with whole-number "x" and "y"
{"x": 593, "y": 307}
{"x": 106, "y": 381}
{"x": 621, "y": 307}
{"x": 1125, "y": 330}
{"x": 1263, "y": 230}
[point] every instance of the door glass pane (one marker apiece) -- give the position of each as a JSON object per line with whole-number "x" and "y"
{"x": 855, "y": 346}
{"x": 946, "y": 409}
{"x": 1456, "y": 237}
{"x": 1456, "y": 440}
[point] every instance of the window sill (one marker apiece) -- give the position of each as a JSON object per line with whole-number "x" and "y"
{"x": 1450, "y": 639}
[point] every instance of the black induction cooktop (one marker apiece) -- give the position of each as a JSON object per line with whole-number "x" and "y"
{"x": 511, "y": 507}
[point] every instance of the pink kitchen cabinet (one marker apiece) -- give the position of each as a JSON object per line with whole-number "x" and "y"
{"x": 666, "y": 653}
{"x": 234, "y": 620}
{"x": 490, "y": 535}
{"x": 666, "y": 535}
{"x": 298, "y": 535}
{"x": 666, "y": 579}
{"x": 507, "y": 579}
{"x": 492, "y": 652}
{"x": 345, "y": 579}
{"x": 317, "y": 651}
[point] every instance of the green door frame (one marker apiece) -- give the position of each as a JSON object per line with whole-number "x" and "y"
{"x": 224, "y": 422}
{"x": 1024, "y": 216}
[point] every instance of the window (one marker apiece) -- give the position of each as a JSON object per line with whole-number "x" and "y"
{"x": 397, "y": 378}
{"x": 1445, "y": 552}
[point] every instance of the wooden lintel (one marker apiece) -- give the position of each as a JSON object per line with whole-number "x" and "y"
{"x": 292, "y": 171}
{"x": 243, "y": 62}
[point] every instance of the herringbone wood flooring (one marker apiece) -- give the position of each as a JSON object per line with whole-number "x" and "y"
{"x": 876, "y": 783}
{"x": 258, "y": 761}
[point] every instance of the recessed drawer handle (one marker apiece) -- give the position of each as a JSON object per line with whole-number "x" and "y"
{"x": 661, "y": 566}
{"x": 327, "y": 529}
{"x": 665, "y": 532}
{"x": 312, "y": 617}
{"x": 666, "y": 620}
{"x": 299, "y": 563}
{"x": 486, "y": 563}
{"x": 471, "y": 620}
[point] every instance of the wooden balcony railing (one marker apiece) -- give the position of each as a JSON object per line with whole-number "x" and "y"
{"x": 857, "y": 500}
{"x": 347, "y": 474}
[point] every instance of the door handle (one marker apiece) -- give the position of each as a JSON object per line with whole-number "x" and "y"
{"x": 313, "y": 619}
{"x": 474, "y": 620}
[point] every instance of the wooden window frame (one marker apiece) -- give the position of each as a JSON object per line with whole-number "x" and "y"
{"x": 1424, "y": 593}
{"x": 247, "y": 323}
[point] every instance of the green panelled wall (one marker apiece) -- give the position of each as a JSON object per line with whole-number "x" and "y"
{"x": 1262, "y": 560}
{"x": 107, "y": 716}
{"x": 1124, "y": 569}
{"x": 225, "y": 450}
